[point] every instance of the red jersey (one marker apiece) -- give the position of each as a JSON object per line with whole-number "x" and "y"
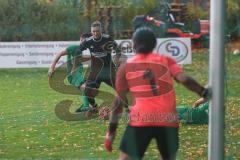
{"x": 149, "y": 78}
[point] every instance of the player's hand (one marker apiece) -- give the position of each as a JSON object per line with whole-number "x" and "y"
{"x": 199, "y": 102}
{"x": 109, "y": 140}
{"x": 50, "y": 72}
{"x": 149, "y": 18}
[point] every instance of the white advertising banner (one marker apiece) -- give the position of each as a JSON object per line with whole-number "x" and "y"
{"x": 41, "y": 54}
{"x": 30, "y": 54}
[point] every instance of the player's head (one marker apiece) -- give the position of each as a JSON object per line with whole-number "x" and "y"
{"x": 96, "y": 29}
{"x": 84, "y": 36}
{"x": 144, "y": 40}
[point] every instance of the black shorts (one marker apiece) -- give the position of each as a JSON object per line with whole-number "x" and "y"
{"x": 95, "y": 78}
{"x": 136, "y": 140}
{"x": 96, "y": 83}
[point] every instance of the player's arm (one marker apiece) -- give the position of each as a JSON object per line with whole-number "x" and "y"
{"x": 192, "y": 84}
{"x": 189, "y": 83}
{"x": 119, "y": 102}
{"x": 55, "y": 61}
{"x": 186, "y": 80}
{"x": 122, "y": 89}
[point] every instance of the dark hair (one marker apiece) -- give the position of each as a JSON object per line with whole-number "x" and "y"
{"x": 85, "y": 35}
{"x": 96, "y": 24}
{"x": 144, "y": 40}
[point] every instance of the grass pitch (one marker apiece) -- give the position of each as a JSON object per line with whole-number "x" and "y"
{"x": 29, "y": 128}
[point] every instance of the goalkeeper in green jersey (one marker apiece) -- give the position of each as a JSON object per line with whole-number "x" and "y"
{"x": 74, "y": 75}
{"x": 198, "y": 114}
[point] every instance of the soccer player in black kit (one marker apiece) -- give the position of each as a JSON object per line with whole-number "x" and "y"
{"x": 102, "y": 67}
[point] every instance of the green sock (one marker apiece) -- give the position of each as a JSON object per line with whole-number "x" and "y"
{"x": 85, "y": 101}
{"x": 91, "y": 101}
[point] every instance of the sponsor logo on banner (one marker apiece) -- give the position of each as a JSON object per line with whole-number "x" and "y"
{"x": 175, "y": 48}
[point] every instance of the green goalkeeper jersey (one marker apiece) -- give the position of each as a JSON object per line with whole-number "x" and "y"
{"x": 76, "y": 79}
{"x": 191, "y": 115}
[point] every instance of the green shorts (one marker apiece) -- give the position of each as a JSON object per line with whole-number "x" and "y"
{"x": 76, "y": 79}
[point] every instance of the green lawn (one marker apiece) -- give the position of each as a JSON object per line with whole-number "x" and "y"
{"x": 29, "y": 128}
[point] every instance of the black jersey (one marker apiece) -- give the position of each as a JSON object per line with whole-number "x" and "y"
{"x": 100, "y": 50}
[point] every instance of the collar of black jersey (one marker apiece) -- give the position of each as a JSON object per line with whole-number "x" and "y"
{"x": 99, "y": 39}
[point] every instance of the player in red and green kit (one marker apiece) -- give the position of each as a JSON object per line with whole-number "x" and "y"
{"x": 149, "y": 76}
{"x": 74, "y": 74}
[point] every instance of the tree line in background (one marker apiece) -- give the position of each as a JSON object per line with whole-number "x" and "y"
{"x": 46, "y": 20}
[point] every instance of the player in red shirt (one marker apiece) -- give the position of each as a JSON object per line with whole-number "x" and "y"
{"x": 148, "y": 76}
